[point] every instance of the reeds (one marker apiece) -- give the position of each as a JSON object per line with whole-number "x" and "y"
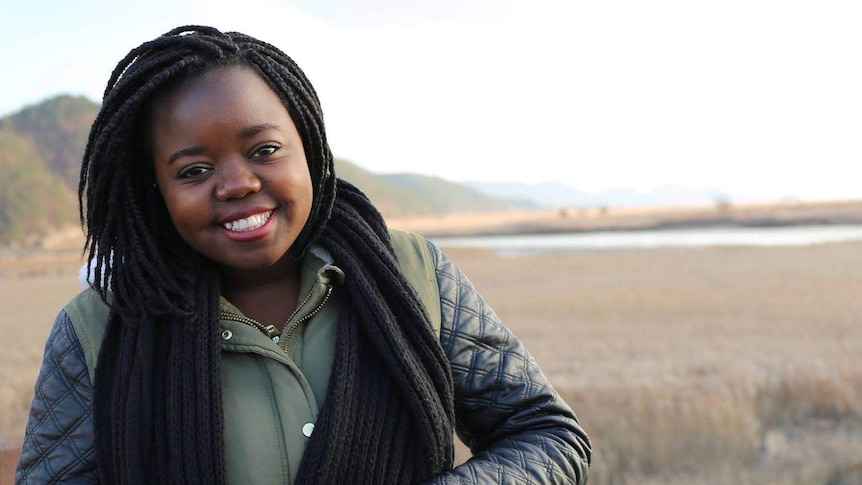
{"x": 700, "y": 366}
{"x": 790, "y": 426}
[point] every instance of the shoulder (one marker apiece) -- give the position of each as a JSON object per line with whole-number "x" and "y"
{"x": 88, "y": 315}
{"x": 405, "y": 240}
{"x": 87, "y": 305}
{"x": 418, "y": 264}
{"x": 413, "y": 255}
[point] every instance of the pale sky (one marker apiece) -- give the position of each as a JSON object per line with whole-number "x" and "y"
{"x": 757, "y": 98}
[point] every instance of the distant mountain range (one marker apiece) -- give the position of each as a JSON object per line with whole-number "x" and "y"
{"x": 42, "y": 145}
{"x": 41, "y": 148}
{"x": 407, "y": 195}
{"x": 559, "y": 195}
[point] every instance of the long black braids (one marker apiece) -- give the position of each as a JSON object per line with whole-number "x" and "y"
{"x": 419, "y": 399}
{"x": 388, "y": 415}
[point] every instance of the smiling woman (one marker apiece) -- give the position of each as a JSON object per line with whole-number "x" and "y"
{"x": 231, "y": 168}
{"x": 251, "y": 319}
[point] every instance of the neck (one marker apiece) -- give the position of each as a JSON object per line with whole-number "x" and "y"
{"x": 267, "y": 295}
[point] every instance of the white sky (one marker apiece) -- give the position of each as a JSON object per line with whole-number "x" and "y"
{"x": 758, "y": 98}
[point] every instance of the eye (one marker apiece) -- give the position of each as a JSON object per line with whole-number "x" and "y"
{"x": 264, "y": 151}
{"x": 193, "y": 171}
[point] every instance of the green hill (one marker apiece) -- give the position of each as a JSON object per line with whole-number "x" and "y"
{"x": 40, "y": 161}
{"x": 34, "y": 200}
{"x": 439, "y": 196}
{"x": 406, "y": 195}
{"x": 58, "y": 129}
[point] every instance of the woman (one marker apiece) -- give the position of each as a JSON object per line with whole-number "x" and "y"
{"x": 250, "y": 317}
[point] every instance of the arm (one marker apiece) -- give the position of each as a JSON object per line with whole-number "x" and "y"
{"x": 59, "y": 445}
{"x": 519, "y": 429}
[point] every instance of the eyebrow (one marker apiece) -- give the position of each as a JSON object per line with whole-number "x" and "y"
{"x": 244, "y": 133}
{"x": 255, "y": 129}
{"x": 192, "y": 150}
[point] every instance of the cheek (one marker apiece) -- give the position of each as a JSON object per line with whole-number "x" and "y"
{"x": 306, "y": 189}
{"x": 295, "y": 186}
{"x": 185, "y": 213}
{"x": 173, "y": 206}
{"x": 305, "y": 197}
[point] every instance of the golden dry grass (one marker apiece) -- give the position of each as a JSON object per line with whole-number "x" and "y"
{"x": 713, "y": 365}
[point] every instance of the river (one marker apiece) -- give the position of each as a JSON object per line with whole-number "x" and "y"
{"x": 665, "y": 238}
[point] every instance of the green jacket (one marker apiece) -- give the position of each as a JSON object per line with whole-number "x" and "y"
{"x": 515, "y": 423}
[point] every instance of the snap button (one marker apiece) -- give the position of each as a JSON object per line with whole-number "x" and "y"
{"x": 308, "y": 429}
{"x": 226, "y": 335}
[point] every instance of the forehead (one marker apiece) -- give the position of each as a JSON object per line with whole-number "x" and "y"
{"x": 234, "y": 94}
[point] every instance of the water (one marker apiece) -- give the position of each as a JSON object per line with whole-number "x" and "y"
{"x": 652, "y": 239}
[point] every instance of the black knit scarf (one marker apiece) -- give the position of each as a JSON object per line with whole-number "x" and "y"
{"x": 388, "y": 415}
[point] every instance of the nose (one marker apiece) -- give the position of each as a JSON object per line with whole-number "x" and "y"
{"x": 236, "y": 180}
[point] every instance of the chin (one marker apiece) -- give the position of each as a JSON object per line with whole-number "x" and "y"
{"x": 256, "y": 263}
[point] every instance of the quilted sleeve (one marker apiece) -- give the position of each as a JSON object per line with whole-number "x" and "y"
{"x": 59, "y": 445}
{"x": 519, "y": 429}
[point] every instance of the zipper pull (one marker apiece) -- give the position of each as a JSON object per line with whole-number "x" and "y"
{"x": 271, "y": 331}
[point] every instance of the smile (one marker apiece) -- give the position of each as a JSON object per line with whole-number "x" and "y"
{"x": 249, "y": 223}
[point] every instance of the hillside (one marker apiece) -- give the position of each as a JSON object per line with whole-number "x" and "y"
{"x": 41, "y": 148}
{"x": 58, "y": 129}
{"x": 406, "y": 195}
{"x": 34, "y": 200}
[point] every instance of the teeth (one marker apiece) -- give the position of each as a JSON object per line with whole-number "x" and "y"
{"x": 249, "y": 223}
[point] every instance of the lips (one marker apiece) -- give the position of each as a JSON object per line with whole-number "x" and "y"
{"x": 249, "y": 223}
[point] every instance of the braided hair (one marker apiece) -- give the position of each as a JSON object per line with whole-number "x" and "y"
{"x": 157, "y": 388}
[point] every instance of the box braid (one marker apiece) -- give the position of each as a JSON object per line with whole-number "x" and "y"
{"x": 388, "y": 415}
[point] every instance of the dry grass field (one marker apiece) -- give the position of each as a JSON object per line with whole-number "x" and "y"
{"x": 724, "y": 365}
{"x": 715, "y": 365}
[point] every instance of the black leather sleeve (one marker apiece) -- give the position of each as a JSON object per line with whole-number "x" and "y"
{"x": 59, "y": 444}
{"x": 519, "y": 429}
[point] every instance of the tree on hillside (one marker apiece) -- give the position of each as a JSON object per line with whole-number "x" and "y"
{"x": 58, "y": 129}
{"x": 34, "y": 200}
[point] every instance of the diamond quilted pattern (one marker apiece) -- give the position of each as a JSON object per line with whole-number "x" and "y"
{"x": 519, "y": 429}
{"x": 59, "y": 445}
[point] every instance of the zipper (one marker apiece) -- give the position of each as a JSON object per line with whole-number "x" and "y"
{"x": 285, "y": 340}
{"x": 299, "y": 307}
{"x": 268, "y": 330}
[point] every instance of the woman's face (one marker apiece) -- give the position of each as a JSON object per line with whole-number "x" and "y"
{"x": 231, "y": 168}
